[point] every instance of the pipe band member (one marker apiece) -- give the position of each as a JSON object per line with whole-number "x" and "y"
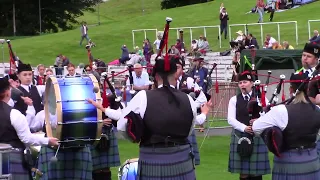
{"x": 14, "y": 130}
{"x": 256, "y": 164}
{"x": 290, "y": 131}
{"x": 165, "y": 152}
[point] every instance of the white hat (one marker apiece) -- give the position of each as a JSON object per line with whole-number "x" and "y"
{"x": 239, "y": 32}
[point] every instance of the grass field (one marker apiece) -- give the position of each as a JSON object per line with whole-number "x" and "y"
{"x": 214, "y": 158}
{"x": 119, "y": 17}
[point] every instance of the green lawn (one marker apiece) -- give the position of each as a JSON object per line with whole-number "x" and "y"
{"x": 214, "y": 158}
{"x": 119, "y": 17}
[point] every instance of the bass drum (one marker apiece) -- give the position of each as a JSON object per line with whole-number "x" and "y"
{"x": 69, "y": 117}
{"x": 129, "y": 170}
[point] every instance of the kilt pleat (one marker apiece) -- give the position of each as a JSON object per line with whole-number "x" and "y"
{"x": 172, "y": 163}
{"x": 257, "y": 164}
{"x": 17, "y": 168}
{"x": 105, "y": 159}
{"x": 297, "y": 165}
{"x": 72, "y": 164}
{"x": 318, "y": 148}
{"x": 193, "y": 141}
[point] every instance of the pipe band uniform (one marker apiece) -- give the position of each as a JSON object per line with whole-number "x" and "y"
{"x": 15, "y": 136}
{"x": 106, "y": 153}
{"x": 164, "y": 153}
{"x": 248, "y": 154}
{"x": 290, "y": 132}
{"x": 187, "y": 85}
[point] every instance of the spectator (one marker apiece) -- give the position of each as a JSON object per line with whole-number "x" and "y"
{"x": 40, "y": 78}
{"x": 268, "y": 43}
{"x": 140, "y": 79}
{"x": 224, "y": 18}
{"x": 147, "y": 50}
{"x": 178, "y": 45}
{"x": 200, "y": 42}
{"x": 72, "y": 71}
{"x": 84, "y": 32}
{"x": 252, "y": 41}
{"x": 205, "y": 47}
{"x": 88, "y": 70}
{"x": 125, "y": 55}
{"x": 315, "y": 38}
{"x": 286, "y": 45}
{"x": 260, "y": 9}
{"x": 276, "y": 45}
{"x": 157, "y": 44}
{"x": 100, "y": 65}
{"x": 173, "y": 51}
{"x": 239, "y": 37}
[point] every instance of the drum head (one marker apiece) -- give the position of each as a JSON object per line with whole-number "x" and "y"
{"x": 68, "y": 115}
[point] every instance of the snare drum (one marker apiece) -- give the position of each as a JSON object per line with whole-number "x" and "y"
{"x": 76, "y": 122}
{"x": 5, "y": 150}
{"x": 129, "y": 170}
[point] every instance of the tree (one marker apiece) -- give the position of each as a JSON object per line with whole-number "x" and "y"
{"x": 56, "y": 14}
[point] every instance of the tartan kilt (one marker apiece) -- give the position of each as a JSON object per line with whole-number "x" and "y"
{"x": 193, "y": 141}
{"x": 170, "y": 163}
{"x": 72, "y": 164}
{"x": 297, "y": 165}
{"x": 18, "y": 169}
{"x": 257, "y": 164}
{"x": 318, "y": 148}
{"x": 106, "y": 159}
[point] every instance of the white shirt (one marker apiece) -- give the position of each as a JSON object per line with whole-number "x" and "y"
{"x": 31, "y": 112}
{"x": 237, "y": 125}
{"x": 277, "y": 116}
{"x": 20, "y": 124}
{"x": 157, "y": 43}
{"x": 201, "y": 99}
{"x": 138, "y": 105}
{"x": 239, "y": 38}
{"x": 271, "y": 41}
{"x": 309, "y": 70}
{"x": 142, "y": 81}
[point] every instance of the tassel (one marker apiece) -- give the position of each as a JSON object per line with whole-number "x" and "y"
{"x": 283, "y": 96}
{"x": 124, "y": 97}
{"x": 217, "y": 85}
{"x": 263, "y": 97}
{"x": 105, "y": 101}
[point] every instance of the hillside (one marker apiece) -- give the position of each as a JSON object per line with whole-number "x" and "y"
{"x": 119, "y": 17}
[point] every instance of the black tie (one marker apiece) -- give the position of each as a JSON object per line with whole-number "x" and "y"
{"x": 29, "y": 89}
{"x": 306, "y": 73}
{"x": 246, "y": 98}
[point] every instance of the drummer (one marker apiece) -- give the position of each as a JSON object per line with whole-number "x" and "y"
{"x": 34, "y": 110}
{"x": 106, "y": 153}
{"x": 14, "y": 131}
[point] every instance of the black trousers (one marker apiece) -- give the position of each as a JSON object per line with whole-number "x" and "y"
{"x": 224, "y": 28}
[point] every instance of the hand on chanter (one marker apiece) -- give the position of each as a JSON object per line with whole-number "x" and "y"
{"x": 107, "y": 122}
{"x": 248, "y": 129}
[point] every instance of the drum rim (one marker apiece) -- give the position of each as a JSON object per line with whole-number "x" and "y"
{"x": 5, "y": 148}
{"x": 53, "y": 81}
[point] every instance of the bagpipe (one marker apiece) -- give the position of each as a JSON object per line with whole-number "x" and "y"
{"x": 13, "y": 64}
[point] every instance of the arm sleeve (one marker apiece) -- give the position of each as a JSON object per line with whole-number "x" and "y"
{"x": 232, "y": 115}
{"x": 19, "y": 122}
